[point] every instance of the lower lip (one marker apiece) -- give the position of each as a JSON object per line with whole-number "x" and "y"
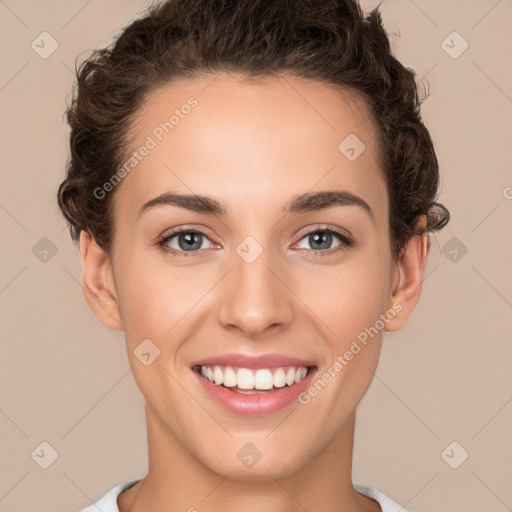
{"x": 257, "y": 404}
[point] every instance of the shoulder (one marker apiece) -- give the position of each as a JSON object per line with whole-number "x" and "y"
{"x": 386, "y": 503}
{"x": 108, "y": 502}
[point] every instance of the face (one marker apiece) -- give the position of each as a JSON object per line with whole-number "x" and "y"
{"x": 284, "y": 264}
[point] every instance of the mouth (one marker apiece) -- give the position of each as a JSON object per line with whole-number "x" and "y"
{"x": 251, "y": 386}
{"x": 253, "y": 381}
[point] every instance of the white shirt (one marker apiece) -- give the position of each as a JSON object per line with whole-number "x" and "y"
{"x": 108, "y": 503}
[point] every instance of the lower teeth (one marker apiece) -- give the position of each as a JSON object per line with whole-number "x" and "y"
{"x": 235, "y": 389}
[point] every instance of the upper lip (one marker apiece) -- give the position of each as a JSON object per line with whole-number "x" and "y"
{"x": 247, "y": 361}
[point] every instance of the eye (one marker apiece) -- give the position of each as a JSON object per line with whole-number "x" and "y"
{"x": 181, "y": 241}
{"x": 320, "y": 240}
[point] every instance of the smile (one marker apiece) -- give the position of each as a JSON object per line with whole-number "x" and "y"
{"x": 249, "y": 385}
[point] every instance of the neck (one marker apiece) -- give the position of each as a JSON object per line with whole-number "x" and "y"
{"x": 177, "y": 480}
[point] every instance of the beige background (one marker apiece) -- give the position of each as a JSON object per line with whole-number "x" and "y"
{"x": 446, "y": 377}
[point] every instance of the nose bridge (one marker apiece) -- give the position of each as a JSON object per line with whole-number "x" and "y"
{"x": 255, "y": 298}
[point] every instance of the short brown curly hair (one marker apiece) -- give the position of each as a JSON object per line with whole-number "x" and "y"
{"x": 329, "y": 41}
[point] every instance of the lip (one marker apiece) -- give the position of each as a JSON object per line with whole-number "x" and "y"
{"x": 253, "y": 362}
{"x": 256, "y": 404}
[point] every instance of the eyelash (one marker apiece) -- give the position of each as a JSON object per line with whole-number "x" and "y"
{"x": 346, "y": 242}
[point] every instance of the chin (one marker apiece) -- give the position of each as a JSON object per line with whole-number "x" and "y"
{"x": 249, "y": 463}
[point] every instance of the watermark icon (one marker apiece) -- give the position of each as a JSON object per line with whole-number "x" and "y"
{"x": 351, "y": 147}
{"x": 44, "y": 455}
{"x": 454, "y": 455}
{"x": 354, "y": 349}
{"x": 146, "y": 352}
{"x": 454, "y": 45}
{"x": 44, "y": 45}
{"x": 44, "y": 249}
{"x": 249, "y": 454}
{"x": 249, "y": 249}
{"x": 454, "y": 249}
{"x": 157, "y": 135}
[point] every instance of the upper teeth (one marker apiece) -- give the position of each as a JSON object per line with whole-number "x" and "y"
{"x": 245, "y": 378}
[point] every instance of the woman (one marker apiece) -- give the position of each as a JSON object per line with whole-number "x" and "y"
{"x": 252, "y": 189}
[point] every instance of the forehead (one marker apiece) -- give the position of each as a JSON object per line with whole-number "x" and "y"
{"x": 252, "y": 142}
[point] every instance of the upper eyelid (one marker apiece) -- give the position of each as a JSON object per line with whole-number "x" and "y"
{"x": 343, "y": 238}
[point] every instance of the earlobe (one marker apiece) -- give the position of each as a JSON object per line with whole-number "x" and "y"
{"x": 98, "y": 283}
{"x": 408, "y": 280}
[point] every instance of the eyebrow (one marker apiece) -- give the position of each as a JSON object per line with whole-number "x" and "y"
{"x": 311, "y": 201}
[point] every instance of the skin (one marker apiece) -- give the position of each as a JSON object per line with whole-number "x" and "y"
{"x": 252, "y": 146}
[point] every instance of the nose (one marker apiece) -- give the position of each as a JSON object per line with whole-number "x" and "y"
{"x": 255, "y": 298}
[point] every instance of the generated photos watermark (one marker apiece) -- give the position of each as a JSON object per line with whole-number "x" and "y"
{"x": 152, "y": 141}
{"x": 354, "y": 349}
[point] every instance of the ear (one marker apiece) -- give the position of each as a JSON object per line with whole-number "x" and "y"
{"x": 98, "y": 283}
{"x": 408, "y": 279}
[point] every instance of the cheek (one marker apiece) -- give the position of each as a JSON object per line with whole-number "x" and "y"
{"x": 154, "y": 296}
{"x": 345, "y": 299}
